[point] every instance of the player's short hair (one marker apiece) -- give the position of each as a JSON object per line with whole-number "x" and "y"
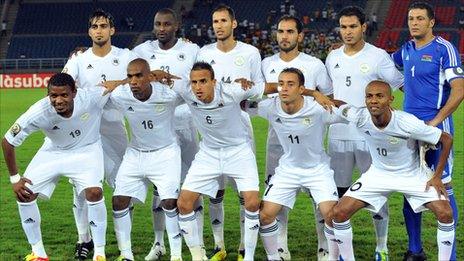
{"x": 224, "y": 7}
{"x": 198, "y": 66}
{"x": 353, "y": 11}
{"x": 168, "y": 11}
{"x": 301, "y": 78}
{"x": 141, "y": 61}
{"x": 381, "y": 82}
{"x": 299, "y": 25}
{"x": 62, "y": 79}
{"x": 100, "y": 13}
{"x": 423, "y": 5}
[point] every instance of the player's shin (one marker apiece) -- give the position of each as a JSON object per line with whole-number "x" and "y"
{"x": 30, "y": 221}
{"x": 319, "y": 219}
{"x": 188, "y": 226}
{"x": 380, "y": 220}
{"x": 251, "y": 233}
{"x": 445, "y": 240}
{"x": 200, "y": 219}
{"x": 216, "y": 214}
{"x": 242, "y": 223}
{"x": 344, "y": 236}
{"x": 159, "y": 223}
{"x": 97, "y": 222}
{"x": 80, "y": 212}
{"x": 332, "y": 245}
{"x": 173, "y": 230}
{"x": 122, "y": 229}
{"x": 454, "y": 207}
{"x": 282, "y": 218}
{"x": 270, "y": 236}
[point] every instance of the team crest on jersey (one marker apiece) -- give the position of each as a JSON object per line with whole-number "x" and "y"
{"x": 181, "y": 57}
{"x": 393, "y": 140}
{"x": 306, "y": 121}
{"x": 159, "y": 107}
{"x": 85, "y": 116}
{"x": 65, "y": 70}
{"x": 364, "y": 68}
{"x": 426, "y": 58}
{"x": 15, "y": 129}
{"x": 115, "y": 62}
{"x": 239, "y": 60}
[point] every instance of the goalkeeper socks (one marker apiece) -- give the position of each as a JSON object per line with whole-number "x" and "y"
{"x": 30, "y": 221}
{"x": 269, "y": 235}
{"x": 445, "y": 239}
{"x": 216, "y": 215}
{"x": 413, "y": 227}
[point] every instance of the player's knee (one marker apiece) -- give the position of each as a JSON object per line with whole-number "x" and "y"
{"x": 444, "y": 213}
{"x": 265, "y": 218}
{"x": 121, "y": 202}
{"x": 93, "y": 194}
{"x": 169, "y": 203}
{"x": 252, "y": 203}
{"x": 340, "y": 213}
{"x": 184, "y": 206}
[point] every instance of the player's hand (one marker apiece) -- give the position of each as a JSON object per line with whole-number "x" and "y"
{"x": 77, "y": 51}
{"x": 23, "y": 193}
{"x": 436, "y": 182}
{"x": 246, "y": 84}
{"x": 432, "y": 123}
{"x": 164, "y": 77}
{"x": 110, "y": 86}
{"x": 324, "y": 101}
{"x": 186, "y": 40}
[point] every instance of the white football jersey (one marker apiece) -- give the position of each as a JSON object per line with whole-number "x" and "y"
{"x": 150, "y": 121}
{"x": 301, "y": 134}
{"x": 88, "y": 70}
{"x": 312, "y": 68}
{"x": 244, "y": 61}
{"x": 395, "y": 147}
{"x": 79, "y": 130}
{"x": 220, "y": 122}
{"x": 350, "y": 76}
{"x": 177, "y": 60}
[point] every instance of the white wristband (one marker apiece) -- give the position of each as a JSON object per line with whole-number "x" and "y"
{"x": 15, "y": 178}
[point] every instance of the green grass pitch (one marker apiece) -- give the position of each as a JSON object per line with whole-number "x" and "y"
{"x": 59, "y": 233}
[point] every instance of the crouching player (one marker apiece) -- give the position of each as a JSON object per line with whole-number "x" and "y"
{"x": 70, "y": 119}
{"x": 392, "y": 138}
{"x": 300, "y": 124}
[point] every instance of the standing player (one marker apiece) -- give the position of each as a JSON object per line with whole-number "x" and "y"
{"x": 174, "y": 56}
{"x": 230, "y": 60}
{"x": 351, "y": 67}
{"x": 392, "y": 138}
{"x": 100, "y": 63}
{"x": 289, "y": 35}
{"x": 433, "y": 90}
{"x": 70, "y": 119}
{"x": 300, "y": 124}
{"x": 153, "y": 155}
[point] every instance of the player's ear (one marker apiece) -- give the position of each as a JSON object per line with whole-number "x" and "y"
{"x": 432, "y": 23}
{"x": 300, "y": 37}
{"x": 364, "y": 27}
{"x": 214, "y": 82}
{"x": 234, "y": 24}
{"x": 301, "y": 90}
{"x": 112, "y": 31}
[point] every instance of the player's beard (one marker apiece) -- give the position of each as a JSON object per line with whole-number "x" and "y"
{"x": 290, "y": 48}
{"x": 101, "y": 43}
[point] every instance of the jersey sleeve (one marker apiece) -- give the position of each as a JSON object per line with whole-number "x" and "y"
{"x": 388, "y": 71}
{"x": 356, "y": 115}
{"x": 24, "y": 125}
{"x": 71, "y": 67}
{"x": 332, "y": 117}
{"x": 264, "y": 108}
{"x": 97, "y": 97}
{"x": 255, "y": 62}
{"x": 418, "y": 130}
{"x": 451, "y": 62}
{"x": 398, "y": 57}
{"x": 323, "y": 82}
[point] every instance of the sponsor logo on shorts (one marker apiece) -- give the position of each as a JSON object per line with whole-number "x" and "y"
{"x": 356, "y": 186}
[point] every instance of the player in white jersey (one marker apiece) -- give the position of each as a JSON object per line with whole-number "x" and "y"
{"x": 351, "y": 67}
{"x": 230, "y": 60}
{"x": 299, "y": 124}
{"x": 102, "y": 62}
{"x": 175, "y": 56}
{"x": 289, "y": 34}
{"x": 70, "y": 120}
{"x": 224, "y": 151}
{"x": 153, "y": 155}
{"x": 392, "y": 138}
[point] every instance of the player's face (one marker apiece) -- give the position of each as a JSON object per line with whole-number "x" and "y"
{"x": 165, "y": 27}
{"x": 62, "y": 99}
{"x": 139, "y": 79}
{"x": 289, "y": 88}
{"x": 100, "y": 31}
{"x": 378, "y": 99}
{"x": 288, "y": 36}
{"x": 223, "y": 25}
{"x": 419, "y": 23}
{"x": 202, "y": 85}
{"x": 351, "y": 30}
